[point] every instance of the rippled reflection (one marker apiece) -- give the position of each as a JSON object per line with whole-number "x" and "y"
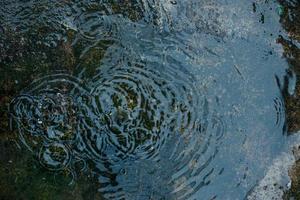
{"x": 174, "y": 108}
{"x": 126, "y": 113}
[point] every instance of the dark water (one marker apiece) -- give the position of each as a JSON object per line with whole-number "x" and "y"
{"x": 183, "y": 103}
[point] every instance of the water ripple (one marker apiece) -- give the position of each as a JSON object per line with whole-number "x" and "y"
{"x": 139, "y": 106}
{"x": 149, "y": 117}
{"x": 127, "y": 113}
{"x": 46, "y": 114}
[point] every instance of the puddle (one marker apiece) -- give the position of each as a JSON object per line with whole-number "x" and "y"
{"x": 153, "y": 99}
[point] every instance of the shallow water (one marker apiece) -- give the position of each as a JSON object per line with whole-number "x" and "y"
{"x": 165, "y": 99}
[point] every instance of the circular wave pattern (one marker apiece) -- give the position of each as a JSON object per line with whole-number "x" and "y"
{"x": 134, "y": 109}
{"x": 46, "y": 117}
{"x": 195, "y": 168}
{"x": 54, "y": 156}
{"x": 128, "y": 113}
{"x": 186, "y": 165}
{"x": 96, "y": 26}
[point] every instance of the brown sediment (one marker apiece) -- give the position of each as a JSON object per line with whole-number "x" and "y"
{"x": 292, "y": 102}
{"x": 290, "y": 19}
{"x": 294, "y": 173}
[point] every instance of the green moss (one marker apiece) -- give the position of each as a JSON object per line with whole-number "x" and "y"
{"x": 22, "y": 177}
{"x": 23, "y": 57}
{"x": 130, "y": 9}
{"x": 90, "y": 59}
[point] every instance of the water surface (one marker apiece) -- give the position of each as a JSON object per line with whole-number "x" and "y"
{"x": 159, "y": 99}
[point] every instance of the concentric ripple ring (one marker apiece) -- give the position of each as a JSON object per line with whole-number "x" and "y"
{"x": 135, "y": 106}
